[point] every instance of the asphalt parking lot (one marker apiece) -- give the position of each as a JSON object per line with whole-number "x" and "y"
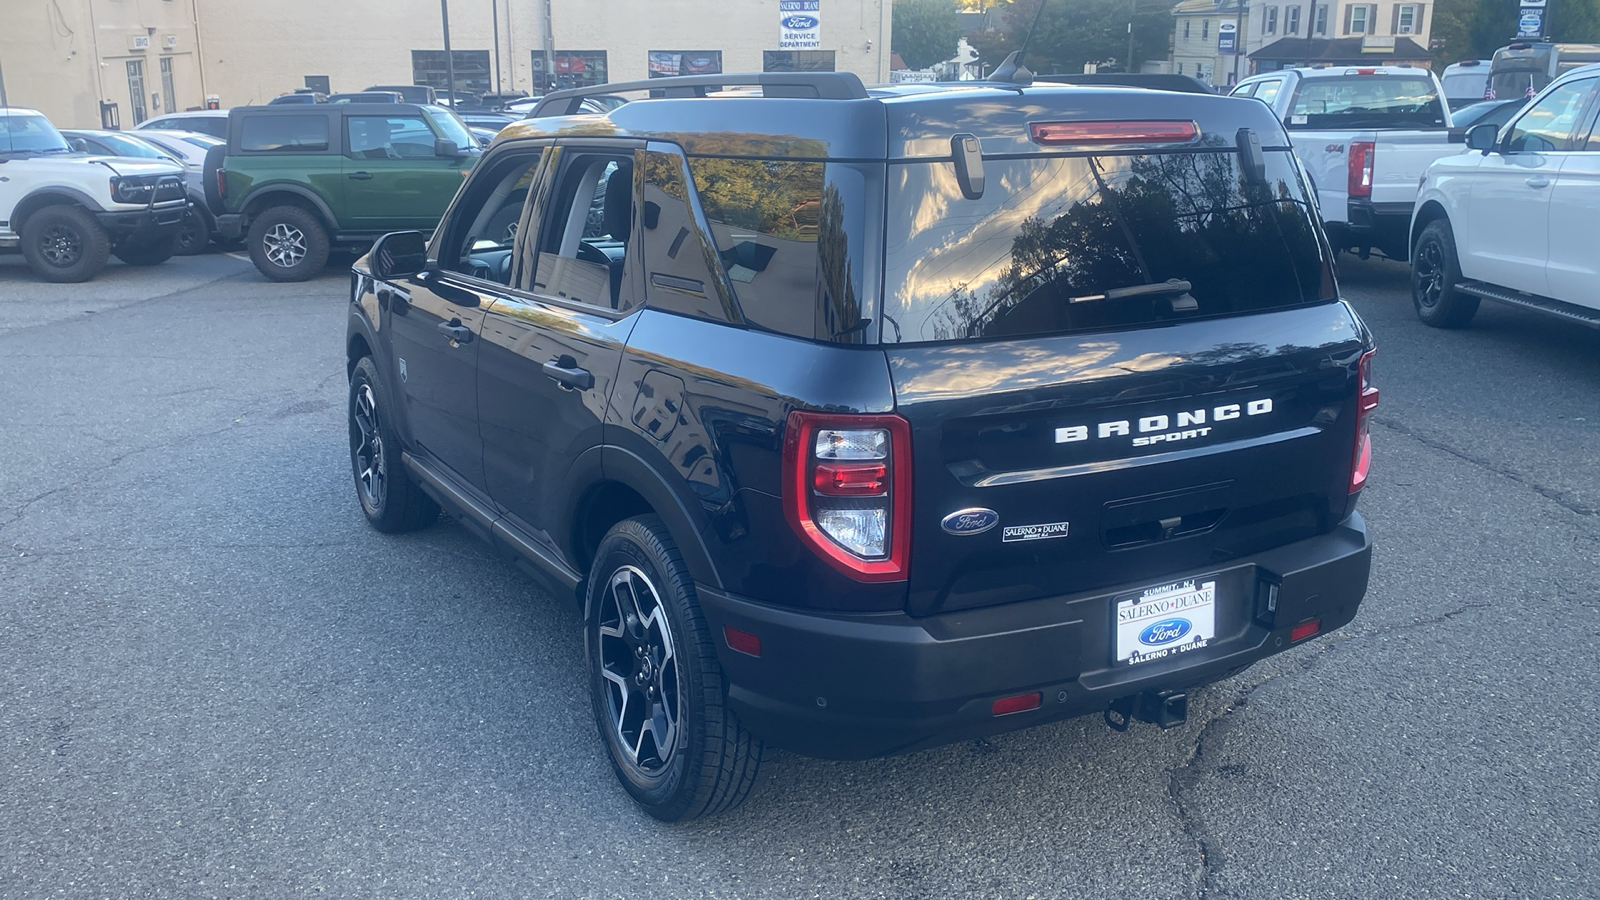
{"x": 216, "y": 681}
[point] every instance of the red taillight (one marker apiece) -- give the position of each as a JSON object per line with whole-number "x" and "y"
{"x": 1361, "y": 157}
{"x": 1304, "y": 630}
{"x": 1366, "y": 402}
{"x": 222, "y": 183}
{"x": 1113, "y": 132}
{"x": 847, "y": 491}
{"x": 1005, "y": 706}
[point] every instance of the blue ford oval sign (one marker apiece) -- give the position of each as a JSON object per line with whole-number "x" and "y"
{"x": 970, "y": 521}
{"x": 1164, "y": 632}
{"x": 800, "y": 23}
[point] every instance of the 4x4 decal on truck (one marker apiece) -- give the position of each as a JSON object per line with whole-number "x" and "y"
{"x": 1157, "y": 429}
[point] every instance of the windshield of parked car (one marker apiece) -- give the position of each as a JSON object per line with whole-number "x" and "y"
{"x": 1365, "y": 101}
{"x": 1059, "y": 244}
{"x": 450, "y": 126}
{"x": 27, "y": 133}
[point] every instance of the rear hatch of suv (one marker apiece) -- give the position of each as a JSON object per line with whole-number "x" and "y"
{"x": 1125, "y": 359}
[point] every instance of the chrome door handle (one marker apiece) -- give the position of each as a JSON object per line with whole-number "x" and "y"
{"x": 1538, "y": 181}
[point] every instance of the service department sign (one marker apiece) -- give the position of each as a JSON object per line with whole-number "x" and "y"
{"x": 799, "y": 24}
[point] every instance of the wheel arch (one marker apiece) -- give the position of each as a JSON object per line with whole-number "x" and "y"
{"x": 50, "y": 196}
{"x": 267, "y": 196}
{"x": 1429, "y": 212}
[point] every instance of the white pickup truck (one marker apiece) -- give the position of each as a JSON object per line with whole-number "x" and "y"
{"x": 1365, "y": 135}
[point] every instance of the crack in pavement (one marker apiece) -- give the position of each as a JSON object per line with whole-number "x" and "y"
{"x": 5, "y": 333}
{"x": 1185, "y": 775}
{"x": 1549, "y": 493}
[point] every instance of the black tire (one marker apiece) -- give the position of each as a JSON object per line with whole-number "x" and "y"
{"x": 391, "y": 501}
{"x": 144, "y": 251}
{"x": 658, "y": 667}
{"x": 194, "y": 238}
{"x": 65, "y": 244}
{"x": 288, "y": 243}
{"x": 1435, "y": 272}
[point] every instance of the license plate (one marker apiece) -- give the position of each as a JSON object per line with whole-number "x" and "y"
{"x": 1166, "y": 621}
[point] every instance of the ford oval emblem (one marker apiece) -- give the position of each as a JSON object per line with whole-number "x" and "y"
{"x": 970, "y": 521}
{"x": 1164, "y": 632}
{"x": 799, "y": 23}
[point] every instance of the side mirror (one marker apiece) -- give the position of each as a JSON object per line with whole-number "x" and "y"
{"x": 80, "y": 145}
{"x": 448, "y": 149}
{"x": 398, "y": 255}
{"x": 1481, "y": 137}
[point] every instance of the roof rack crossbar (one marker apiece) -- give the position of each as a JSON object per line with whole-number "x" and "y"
{"x": 792, "y": 85}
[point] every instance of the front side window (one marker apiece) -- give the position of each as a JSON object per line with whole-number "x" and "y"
{"x": 588, "y": 222}
{"x": 1059, "y": 244}
{"x": 388, "y": 137}
{"x": 280, "y": 134}
{"x": 487, "y": 220}
{"x": 1267, "y": 91}
{"x": 1365, "y": 101}
{"x": 1547, "y": 126}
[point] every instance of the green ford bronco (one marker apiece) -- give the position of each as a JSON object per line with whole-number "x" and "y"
{"x": 294, "y": 180}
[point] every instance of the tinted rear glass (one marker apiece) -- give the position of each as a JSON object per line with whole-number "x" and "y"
{"x": 1051, "y": 235}
{"x": 276, "y": 134}
{"x": 1365, "y": 101}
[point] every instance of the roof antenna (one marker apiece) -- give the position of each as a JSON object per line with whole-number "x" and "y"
{"x": 1012, "y": 71}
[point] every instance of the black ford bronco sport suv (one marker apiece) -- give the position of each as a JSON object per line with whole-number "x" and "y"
{"x": 862, "y": 421}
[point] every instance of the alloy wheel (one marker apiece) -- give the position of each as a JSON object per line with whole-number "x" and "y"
{"x": 285, "y": 245}
{"x": 640, "y": 668}
{"x": 61, "y": 245}
{"x": 371, "y": 472}
{"x": 1429, "y": 277}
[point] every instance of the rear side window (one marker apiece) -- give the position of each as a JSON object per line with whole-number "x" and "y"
{"x": 1365, "y": 101}
{"x": 1056, "y": 243}
{"x": 680, "y": 260}
{"x": 277, "y": 134}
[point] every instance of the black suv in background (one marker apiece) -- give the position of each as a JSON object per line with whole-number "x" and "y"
{"x": 861, "y": 422}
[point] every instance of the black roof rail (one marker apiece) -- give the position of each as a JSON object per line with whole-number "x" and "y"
{"x": 792, "y": 85}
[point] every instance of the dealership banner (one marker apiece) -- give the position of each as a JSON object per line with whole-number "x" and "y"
{"x": 799, "y": 24}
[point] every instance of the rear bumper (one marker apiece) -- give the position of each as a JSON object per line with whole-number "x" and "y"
{"x": 145, "y": 221}
{"x": 1386, "y": 226}
{"x": 850, "y": 687}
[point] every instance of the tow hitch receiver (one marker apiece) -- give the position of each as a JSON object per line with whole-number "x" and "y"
{"x": 1168, "y": 709}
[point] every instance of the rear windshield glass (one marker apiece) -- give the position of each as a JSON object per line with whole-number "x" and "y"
{"x": 1365, "y": 101}
{"x": 1465, "y": 84}
{"x": 1055, "y": 242}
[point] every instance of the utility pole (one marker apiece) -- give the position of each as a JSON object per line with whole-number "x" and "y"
{"x": 1238, "y": 42}
{"x": 449, "y": 58}
{"x": 494, "y": 6}
{"x": 1311, "y": 28}
{"x": 549, "y": 51}
{"x": 3, "y": 101}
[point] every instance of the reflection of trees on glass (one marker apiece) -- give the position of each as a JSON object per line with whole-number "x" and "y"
{"x": 769, "y": 196}
{"x": 841, "y": 312}
{"x": 1141, "y": 220}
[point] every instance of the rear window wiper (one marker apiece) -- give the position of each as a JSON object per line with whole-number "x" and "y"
{"x": 1175, "y": 288}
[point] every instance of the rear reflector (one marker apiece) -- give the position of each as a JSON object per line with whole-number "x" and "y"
{"x": 1112, "y": 132}
{"x": 1305, "y": 630}
{"x": 742, "y": 641}
{"x": 862, "y": 479}
{"x": 1005, "y": 706}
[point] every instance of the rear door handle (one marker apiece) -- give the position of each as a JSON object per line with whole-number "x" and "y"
{"x": 360, "y": 176}
{"x": 566, "y": 372}
{"x": 457, "y": 332}
{"x": 1538, "y": 181}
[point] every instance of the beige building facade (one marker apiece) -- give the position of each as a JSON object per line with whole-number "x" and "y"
{"x": 83, "y": 62}
{"x": 1285, "y": 33}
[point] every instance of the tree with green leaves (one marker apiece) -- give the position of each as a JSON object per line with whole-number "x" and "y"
{"x": 925, "y": 32}
{"x": 1474, "y": 29}
{"x": 1071, "y": 33}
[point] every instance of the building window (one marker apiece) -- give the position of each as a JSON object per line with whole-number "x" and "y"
{"x": 169, "y": 96}
{"x": 1291, "y": 20}
{"x": 1356, "y": 19}
{"x": 1180, "y": 68}
{"x": 136, "y": 90}
{"x": 1205, "y": 29}
{"x": 1322, "y": 19}
{"x": 1405, "y": 20}
{"x": 1271, "y": 26}
{"x": 797, "y": 61}
{"x": 319, "y": 83}
{"x": 472, "y": 70}
{"x": 666, "y": 63}
{"x": 1186, "y": 29}
{"x": 573, "y": 69}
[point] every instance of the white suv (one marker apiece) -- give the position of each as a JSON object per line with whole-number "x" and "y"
{"x": 1515, "y": 221}
{"x": 67, "y": 211}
